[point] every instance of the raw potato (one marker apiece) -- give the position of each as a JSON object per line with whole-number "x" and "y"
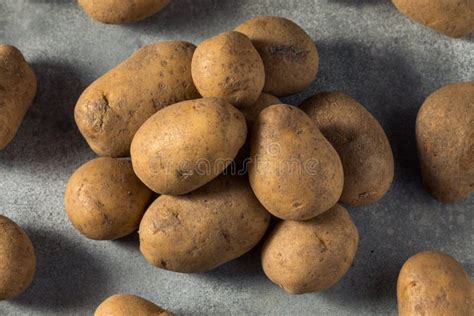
{"x": 289, "y": 54}
{"x": 105, "y": 200}
{"x": 313, "y": 255}
{"x": 454, "y": 18}
{"x": 433, "y": 283}
{"x": 17, "y": 259}
{"x": 110, "y": 110}
{"x": 120, "y": 11}
{"x": 228, "y": 66}
{"x": 359, "y": 140}
{"x": 204, "y": 229}
{"x": 186, "y": 145}
{"x": 126, "y": 305}
{"x": 17, "y": 91}
{"x": 445, "y": 139}
{"x": 294, "y": 171}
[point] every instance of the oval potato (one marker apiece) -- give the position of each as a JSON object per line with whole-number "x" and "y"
{"x": 204, "y": 229}
{"x": 17, "y": 91}
{"x": 186, "y": 145}
{"x": 445, "y": 139}
{"x": 454, "y": 18}
{"x": 433, "y": 283}
{"x": 17, "y": 259}
{"x": 119, "y": 11}
{"x": 289, "y": 54}
{"x": 359, "y": 140}
{"x": 227, "y": 66}
{"x": 112, "y": 108}
{"x": 126, "y": 305}
{"x": 294, "y": 171}
{"x": 105, "y": 200}
{"x": 313, "y": 255}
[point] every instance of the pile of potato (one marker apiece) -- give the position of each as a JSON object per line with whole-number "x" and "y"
{"x": 214, "y": 155}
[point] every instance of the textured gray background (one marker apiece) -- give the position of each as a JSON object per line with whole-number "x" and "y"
{"x": 367, "y": 49}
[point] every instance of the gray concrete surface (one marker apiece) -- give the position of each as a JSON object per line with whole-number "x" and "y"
{"x": 367, "y": 49}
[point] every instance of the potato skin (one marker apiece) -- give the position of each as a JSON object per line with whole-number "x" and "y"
{"x": 433, "y": 283}
{"x": 105, "y": 200}
{"x": 289, "y": 54}
{"x": 227, "y": 66}
{"x": 445, "y": 139}
{"x": 359, "y": 140}
{"x": 313, "y": 255}
{"x": 294, "y": 171}
{"x": 204, "y": 229}
{"x": 119, "y": 11}
{"x": 111, "y": 109}
{"x": 17, "y": 259}
{"x": 127, "y": 304}
{"x": 186, "y": 145}
{"x": 454, "y": 18}
{"x": 17, "y": 91}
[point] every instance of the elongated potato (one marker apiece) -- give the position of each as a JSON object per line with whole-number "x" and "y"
{"x": 294, "y": 171}
{"x": 433, "y": 283}
{"x": 126, "y": 305}
{"x": 313, "y": 255}
{"x": 120, "y": 11}
{"x": 289, "y": 54}
{"x": 17, "y": 259}
{"x": 227, "y": 66}
{"x": 454, "y": 18}
{"x": 204, "y": 229}
{"x": 359, "y": 140}
{"x": 105, "y": 200}
{"x": 445, "y": 139}
{"x": 110, "y": 110}
{"x": 17, "y": 91}
{"x": 186, "y": 145}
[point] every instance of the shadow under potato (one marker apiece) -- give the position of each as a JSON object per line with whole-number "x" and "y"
{"x": 67, "y": 275}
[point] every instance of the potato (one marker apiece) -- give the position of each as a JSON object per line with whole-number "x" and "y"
{"x": 445, "y": 139}
{"x": 359, "y": 140}
{"x": 294, "y": 171}
{"x": 111, "y": 109}
{"x": 433, "y": 283}
{"x": 126, "y": 304}
{"x": 17, "y": 259}
{"x": 17, "y": 91}
{"x": 186, "y": 145}
{"x": 119, "y": 11}
{"x": 105, "y": 200}
{"x": 454, "y": 18}
{"x": 228, "y": 66}
{"x": 289, "y": 54}
{"x": 204, "y": 229}
{"x": 313, "y": 255}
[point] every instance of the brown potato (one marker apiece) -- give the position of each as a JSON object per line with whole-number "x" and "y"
{"x": 17, "y": 260}
{"x": 433, "y": 283}
{"x": 227, "y": 66}
{"x": 294, "y": 171}
{"x": 310, "y": 256}
{"x": 454, "y": 18}
{"x": 289, "y": 54}
{"x": 119, "y": 11}
{"x": 445, "y": 139}
{"x": 126, "y": 305}
{"x": 111, "y": 109}
{"x": 204, "y": 229}
{"x": 105, "y": 200}
{"x": 186, "y": 145}
{"x": 359, "y": 140}
{"x": 17, "y": 91}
